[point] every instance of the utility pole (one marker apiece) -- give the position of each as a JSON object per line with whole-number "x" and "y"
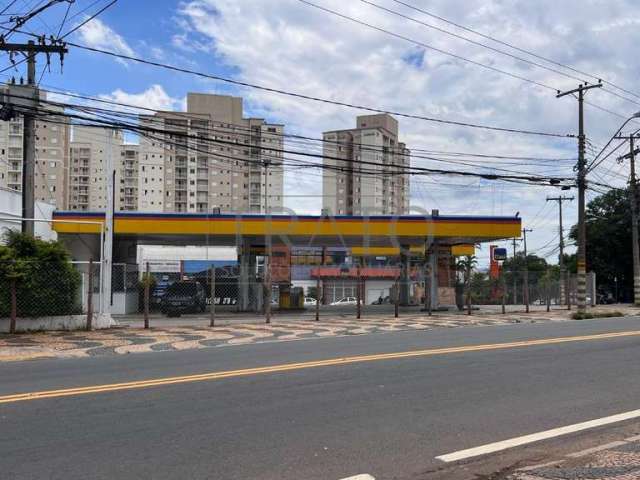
{"x": 564, "y": 282}
{"x": 269, "y": 249}
{"x": 634, "y": 216}
{"x": 582, "y": 187}
{"x": 526, "y": 270}
{"x": 30, "y": 50}
{"x": 513, "y": 272}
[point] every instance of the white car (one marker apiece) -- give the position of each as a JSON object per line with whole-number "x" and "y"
{"x": 309, "y": 301}
{"x": 346, "y": 301}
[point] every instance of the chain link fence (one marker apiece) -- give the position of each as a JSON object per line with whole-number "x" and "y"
{"x": 43, "y": 295}
{"x": 48, "y": 295}
{"x": 522, "y": 288}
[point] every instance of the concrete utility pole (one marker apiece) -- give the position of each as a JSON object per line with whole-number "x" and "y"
{"x": 564, "y": 280}
{"x": 526, "y": 270}
{"x": 634, "y": 215}
{"x": 109, "y": 223}
{"x": 582, "y": 187}
{"x": 30, "y": 50}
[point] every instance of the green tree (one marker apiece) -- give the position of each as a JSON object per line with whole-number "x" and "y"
{"x": 46, "y": 282}
{"x": 466, "y": 265}
{"x": 513, "y": 268}
{"x": 608, "y": 226}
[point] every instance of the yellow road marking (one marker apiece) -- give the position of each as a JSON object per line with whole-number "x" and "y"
{"x": 20, "y": 397}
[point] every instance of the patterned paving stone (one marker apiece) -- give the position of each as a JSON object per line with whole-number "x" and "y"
{"x": 124, "y": 340}
{"x": 618, "y": 463}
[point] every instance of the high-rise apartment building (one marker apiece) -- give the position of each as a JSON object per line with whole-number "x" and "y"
{"x": 52, "y": 157}
{"x": 87, "y": 184}
{"x": 210, "y": 157}
{"x": 207, "y": 157}
{"x": 127, "y": 186}
{"x": 379, "y": 186}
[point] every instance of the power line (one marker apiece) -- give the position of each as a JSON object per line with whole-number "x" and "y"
{"x": 488, "y": 47}
{"x": 317, "y": 99}
{"x": 424, "y": 45}
{"x": 77, "y": 27}
{"x": 510, "y": 45}
{"x": 397, "y": 169}
{"x": 324, "y": 141}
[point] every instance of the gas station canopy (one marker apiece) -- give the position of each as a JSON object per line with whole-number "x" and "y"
{"x": 301, "y": 230}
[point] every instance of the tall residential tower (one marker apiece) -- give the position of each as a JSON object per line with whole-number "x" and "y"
{"x": 364, "y": 169}
{"x": 211, "y": 157}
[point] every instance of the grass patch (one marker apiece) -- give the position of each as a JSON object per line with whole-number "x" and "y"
{"x": 587, "y": 316}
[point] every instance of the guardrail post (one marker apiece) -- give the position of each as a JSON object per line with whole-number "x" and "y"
{"x": 90, "y": 296}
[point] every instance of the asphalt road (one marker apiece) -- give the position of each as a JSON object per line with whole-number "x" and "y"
{"x": 388, "y": 418}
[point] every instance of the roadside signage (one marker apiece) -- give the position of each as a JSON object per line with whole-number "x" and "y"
{"x": 499, "y": 254}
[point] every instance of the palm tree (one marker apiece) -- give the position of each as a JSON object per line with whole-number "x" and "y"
{"x": 465, "y": 265}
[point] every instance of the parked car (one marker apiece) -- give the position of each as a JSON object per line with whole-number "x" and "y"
{"x": 345, "y": 301}
{"x": 309, "y": 301}
{"x": 184, "y": 296}
{"x": 382, "y": 300}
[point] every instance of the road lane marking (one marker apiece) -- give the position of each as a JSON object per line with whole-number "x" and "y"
{"x": 536, "y": 437}
{"x": 210, "y": 376}
{"x": 363, "y": 476}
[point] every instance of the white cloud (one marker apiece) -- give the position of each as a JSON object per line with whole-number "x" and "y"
{"x": 288, "y": 45}
{"x": 154, "y": 97}
{"x": 98, "y": 34}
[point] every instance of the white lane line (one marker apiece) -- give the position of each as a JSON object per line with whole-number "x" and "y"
{"x": 536, "y": 437}
{"x": 364, "y": 476}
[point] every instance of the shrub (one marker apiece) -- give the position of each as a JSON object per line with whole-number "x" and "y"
{"x": 46, "y": 282}
{"x": 587, "y": 316}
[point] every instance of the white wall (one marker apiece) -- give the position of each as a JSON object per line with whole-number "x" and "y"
{"x": 11, "y": 212}
{"x": 151, "y": 253}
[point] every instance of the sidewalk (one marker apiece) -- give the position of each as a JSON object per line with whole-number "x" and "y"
{"x": 169, "y": 336}
{"x": 618, "y": 460}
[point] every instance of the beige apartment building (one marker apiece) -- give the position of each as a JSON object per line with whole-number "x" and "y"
{"x": 52, "y": 158}
{"x": 87, "y": 187}
{"x": 210, "y": 157}
{"x": 346, "y": 188}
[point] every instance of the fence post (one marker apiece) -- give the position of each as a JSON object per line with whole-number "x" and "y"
{"x": 267, "y": 288}
{"x": 212, "y": 310}
{"x": 146, "y": 297}
{"x": 358, "y": 292}
{"x": 14, "y": 307}
{"x": 548, "y": 297}
{"x": 90, "y": 296}
{"x": 318, "y": 297}
{"x": 504, "y": 292}
{"x": 396, "y": 298}
{"x": 427, "y": 288}
{"x": 469, "y": 290}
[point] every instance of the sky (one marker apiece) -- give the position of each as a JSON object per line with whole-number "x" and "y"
{"x": 401, "y": 65}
